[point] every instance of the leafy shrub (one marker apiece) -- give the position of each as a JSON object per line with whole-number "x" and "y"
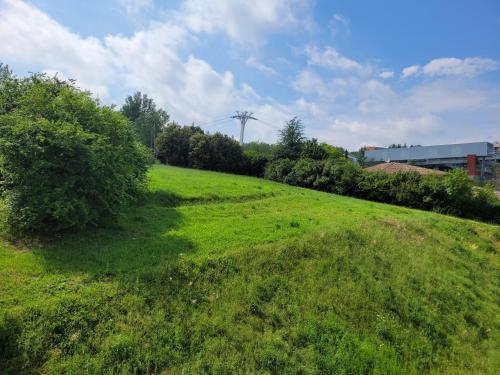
{"x": 216, "y": 152}
{"x": 172, "y": 144}
{"x": 340, "y": 176}
{"x": 65, "y": 161}
{"x": 254, "y": 163}
{"x": 486, "y": 204}
{"x": 305, "y": 172}
{"x": 458, "y": 187}
{"x": 434, "y": 195}
{"x": 278, "y": 170}
{"x": 312, "y": 150}
{"x": 403, "y": 188}
{"x": 375, "y": 186}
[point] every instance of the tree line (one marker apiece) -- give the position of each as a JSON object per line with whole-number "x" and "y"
{"x": 299, "y": 161}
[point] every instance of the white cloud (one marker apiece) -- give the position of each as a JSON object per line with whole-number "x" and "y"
{"x": 445, "y": 96}
{"x": 252, "y": 62}
{"x": 411, "y": 71}
{"x": 245, "y": 22}
{"x": 331, "y": 59}
{"x": 308, "y": 82}
{"x": 451, "y": 66}
{"x": 338, "y": 24}
{"x": 375, "y": 96}
{"x": 379, "y": 132}
{"x": 190, "y": 89}
{"x": 134, "y": 7}
{"x": 148, "y": 61}
{"x": 386, "y": 74}
{"x": 43, "y": 40}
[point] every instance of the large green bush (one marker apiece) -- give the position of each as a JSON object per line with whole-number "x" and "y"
{"x": 340, "y": 176}
{"x": 66, "y": 162}
{"x": 278, "y": 170}
{"x": 216, "y": 152}
{"x": 172, "y": 144}
{"x": 305, "y": 172}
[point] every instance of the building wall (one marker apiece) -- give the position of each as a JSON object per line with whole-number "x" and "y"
{"x": 431, "y": 152}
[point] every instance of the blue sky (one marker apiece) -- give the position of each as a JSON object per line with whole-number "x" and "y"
{"x": 356, "y": 72}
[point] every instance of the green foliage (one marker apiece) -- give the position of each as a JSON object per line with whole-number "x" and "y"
{"x": 217, "y": 152}
{"x": 290, "y": 140}
{"x": 452, "y": 194}
{"x": 458, "y": 187}
{"x": 332, "y": 151}
{"x": 5, "y": 73}
{"x": 260, "y": 148}
{"x": 172, "y": 144}
{"x": 278, "y": 170}
{"x": 312, "y": 150}
{"x": 148, "y": 121}
{"x": 340, "y": 176}
{"x": 254, "y": 163}
{"x": 65, "y": 161}
{"x": 305, "y": 172}
{"x": 360, "y": 156}
{"x": 256, "y": 156}
{"x": 306, "y": 282}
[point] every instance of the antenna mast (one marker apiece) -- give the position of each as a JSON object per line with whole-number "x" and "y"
{"x": 243, "y": 117}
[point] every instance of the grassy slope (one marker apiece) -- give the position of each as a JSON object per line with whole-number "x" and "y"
{"x": 226, "y": 274}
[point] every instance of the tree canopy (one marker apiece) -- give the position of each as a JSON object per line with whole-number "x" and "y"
{"x": 148, "y": 120}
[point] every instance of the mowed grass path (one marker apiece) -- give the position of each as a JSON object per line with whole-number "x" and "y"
{"x": 216, "y": 273}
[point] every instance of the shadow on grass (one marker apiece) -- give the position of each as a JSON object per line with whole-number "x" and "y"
{"x": 142, "y": 239}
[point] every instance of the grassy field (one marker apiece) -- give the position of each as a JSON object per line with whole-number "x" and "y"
{"x": 215, "y": 273}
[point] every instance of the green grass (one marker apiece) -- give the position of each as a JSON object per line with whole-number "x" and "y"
{"x": 215, "y": 273}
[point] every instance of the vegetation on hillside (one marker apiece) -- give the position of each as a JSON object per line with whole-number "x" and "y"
{"x": 216, "y": 273}
{"x": 299, "y": 161}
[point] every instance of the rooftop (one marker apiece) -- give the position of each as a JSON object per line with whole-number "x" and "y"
{"x": 392, "y": 167}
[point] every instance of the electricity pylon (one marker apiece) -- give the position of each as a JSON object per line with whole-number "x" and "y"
{"x": 243, "y": 117}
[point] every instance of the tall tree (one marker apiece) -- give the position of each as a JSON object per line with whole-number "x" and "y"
{"x": 147, "y": 119}
{"x": 290, "y": 141}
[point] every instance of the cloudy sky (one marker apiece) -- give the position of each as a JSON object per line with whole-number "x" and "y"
{"x": 357, "y": 72}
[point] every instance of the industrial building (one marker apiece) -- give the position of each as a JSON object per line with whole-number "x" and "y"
{"x": 478, "y": 158}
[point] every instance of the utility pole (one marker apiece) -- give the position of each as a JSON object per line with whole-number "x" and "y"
{"x": 243, "y": 117}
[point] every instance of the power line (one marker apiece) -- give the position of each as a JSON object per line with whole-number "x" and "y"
{"x": 243, "y": 117}
{"x": 208, "y": 123}
{"x": 271, "y": 125}
{"x": 219, "y": 123}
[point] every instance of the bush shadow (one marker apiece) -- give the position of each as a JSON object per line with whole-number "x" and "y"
{"x": 143, "y": 237}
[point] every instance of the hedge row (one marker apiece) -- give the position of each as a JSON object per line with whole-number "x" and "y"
{"x": 452, "y": 194}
